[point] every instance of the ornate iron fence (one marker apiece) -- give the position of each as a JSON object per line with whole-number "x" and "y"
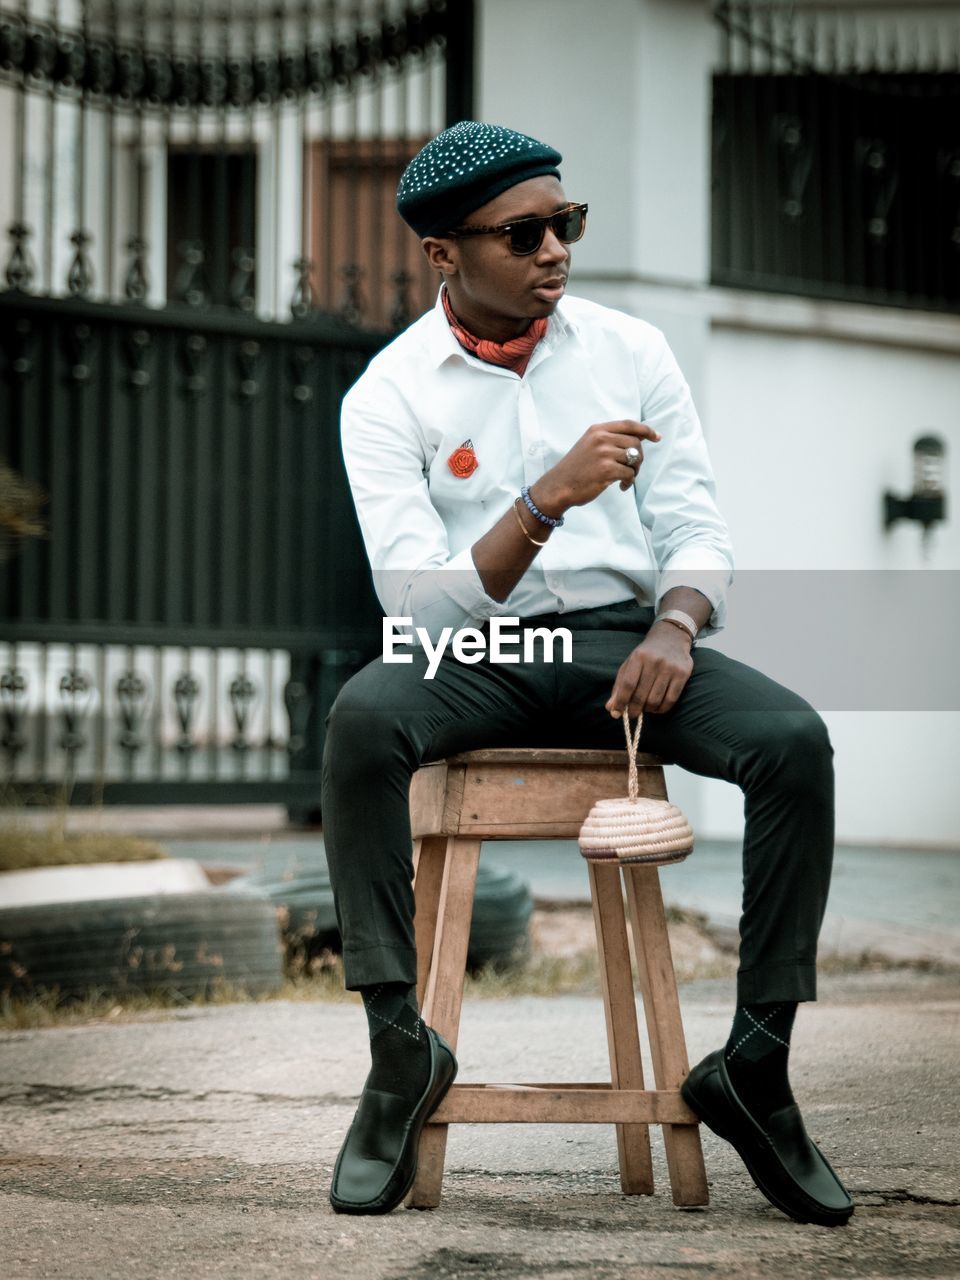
{"x": 203, "y": 256}
{"x": 836, "y": 152}
{"x": 166, "y": 150}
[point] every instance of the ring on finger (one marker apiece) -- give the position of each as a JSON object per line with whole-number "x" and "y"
{"x": 632, "y": 456}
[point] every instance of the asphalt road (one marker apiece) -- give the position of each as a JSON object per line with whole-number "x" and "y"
{"x": 200, "y": 1144}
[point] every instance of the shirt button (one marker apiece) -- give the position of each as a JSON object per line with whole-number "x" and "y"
{"x": 533, "y": 450}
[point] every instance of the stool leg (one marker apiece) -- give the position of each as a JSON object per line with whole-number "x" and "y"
{"x": 620, "y": 1011}
{"x": 429, "y": 858}
{"x": 658, "y": 984}
{"x": 444, "y": 995}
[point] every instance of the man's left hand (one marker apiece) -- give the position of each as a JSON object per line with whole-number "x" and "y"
{"x": 654, "y": 675}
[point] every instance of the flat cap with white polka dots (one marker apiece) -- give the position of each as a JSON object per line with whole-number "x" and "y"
{"x": 462, "y": 168}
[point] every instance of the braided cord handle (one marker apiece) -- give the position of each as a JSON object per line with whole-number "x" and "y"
{"x": 633, "y": 741}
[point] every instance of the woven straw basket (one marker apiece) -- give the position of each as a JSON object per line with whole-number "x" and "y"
{"x": 635, "y": 828}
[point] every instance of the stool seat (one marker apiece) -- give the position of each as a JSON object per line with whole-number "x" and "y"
{"x": 517, "y": 793}
{"x": 549, "y": 755}
{"x": 546, "y": 793}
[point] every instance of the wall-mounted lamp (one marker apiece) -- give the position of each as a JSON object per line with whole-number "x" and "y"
{"x": 928, "y": 502}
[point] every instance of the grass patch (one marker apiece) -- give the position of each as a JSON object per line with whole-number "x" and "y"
{"x": 23, "y": 850}
{"x": 834, "y": 962}
{"x": 50, "y": 1009}
{"x": 321, "y": 981}
{"x": 25, "y": 843}
{"x": 542, "y": 975}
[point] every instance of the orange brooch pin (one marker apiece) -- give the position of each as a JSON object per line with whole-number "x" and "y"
{"x": 463, "y": 461}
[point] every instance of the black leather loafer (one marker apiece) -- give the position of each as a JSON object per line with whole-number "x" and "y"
{"x": 377, "y": 1163}
{"x": 785, "y": 1163}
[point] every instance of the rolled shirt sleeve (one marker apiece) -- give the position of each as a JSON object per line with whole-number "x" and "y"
{"x": 676, "y": 493}
{"x": 386, "y": 461}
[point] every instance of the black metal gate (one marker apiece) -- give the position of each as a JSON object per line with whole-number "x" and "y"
{"x": 203, "y": 256}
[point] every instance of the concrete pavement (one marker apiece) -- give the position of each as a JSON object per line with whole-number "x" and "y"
{"x": 200, "y": 1144}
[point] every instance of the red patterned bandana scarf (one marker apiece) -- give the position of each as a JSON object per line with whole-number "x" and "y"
{"x": 513, "y": 354}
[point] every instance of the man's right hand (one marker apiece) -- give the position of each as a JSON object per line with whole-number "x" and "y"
{"x": 594, "y": 463}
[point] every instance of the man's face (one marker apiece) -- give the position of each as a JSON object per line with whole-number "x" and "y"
{"x": 494, "y": 291}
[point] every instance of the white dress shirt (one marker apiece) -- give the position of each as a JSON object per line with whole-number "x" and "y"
{"x": 424, "y": 396}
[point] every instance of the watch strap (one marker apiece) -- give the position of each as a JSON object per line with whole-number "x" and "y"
{"x": 679, "y": 619}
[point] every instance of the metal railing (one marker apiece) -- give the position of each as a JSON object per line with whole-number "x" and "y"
{"x": 243, "y": 154}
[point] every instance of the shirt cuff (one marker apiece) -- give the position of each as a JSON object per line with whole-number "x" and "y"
{"x": 712, "y": 583}
{"x": 449, "y": 595}
{"x": 465, "y": 587}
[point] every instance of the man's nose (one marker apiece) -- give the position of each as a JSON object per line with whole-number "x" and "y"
{"x": 552, "y": 249}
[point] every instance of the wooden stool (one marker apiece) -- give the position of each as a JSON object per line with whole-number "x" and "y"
{"x": 536, "y": 795}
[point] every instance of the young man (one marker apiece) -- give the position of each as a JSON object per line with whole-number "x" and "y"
{"x": 517, "y": 453}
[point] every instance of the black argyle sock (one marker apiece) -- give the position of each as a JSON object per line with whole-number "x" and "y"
{"x": 756, "y": 1056}
{"x": 399, "y": 1048}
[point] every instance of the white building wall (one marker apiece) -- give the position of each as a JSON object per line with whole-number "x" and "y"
{"x": 806, "y": 433}
{"x": 623, "y": 90}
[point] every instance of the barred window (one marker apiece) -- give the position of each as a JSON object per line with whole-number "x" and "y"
{"x": 836, "y": 159}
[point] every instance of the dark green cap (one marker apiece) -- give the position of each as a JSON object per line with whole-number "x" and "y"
{"x": 462, "y": 168}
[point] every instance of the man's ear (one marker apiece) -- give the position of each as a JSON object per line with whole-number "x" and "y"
{"x": 441, "y": 254}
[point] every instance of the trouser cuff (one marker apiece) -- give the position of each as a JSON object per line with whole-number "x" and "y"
{"x": 790, "y": 981}
{"x": 368, "y": 966}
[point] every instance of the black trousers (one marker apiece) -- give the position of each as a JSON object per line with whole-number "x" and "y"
{"x": 730, "y": 722}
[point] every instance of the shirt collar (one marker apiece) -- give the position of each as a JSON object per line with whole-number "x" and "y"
{"x": 442, "y": 344}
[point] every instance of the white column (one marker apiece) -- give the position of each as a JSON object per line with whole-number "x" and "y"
{"x": 563, "y": 72}
{"x": 279, "y": 179}
{"x": 622, "y": 89}
{"x": 674, "y": 43}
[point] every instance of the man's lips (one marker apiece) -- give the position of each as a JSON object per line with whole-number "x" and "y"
{"x": 555, "y": 285}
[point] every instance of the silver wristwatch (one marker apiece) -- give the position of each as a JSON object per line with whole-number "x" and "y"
{"x": 679, "y": 619}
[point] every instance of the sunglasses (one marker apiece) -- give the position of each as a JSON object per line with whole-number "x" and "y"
{"x": 526, "y": 234}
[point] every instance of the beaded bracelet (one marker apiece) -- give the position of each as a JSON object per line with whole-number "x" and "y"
{"x": 553, "y": 521}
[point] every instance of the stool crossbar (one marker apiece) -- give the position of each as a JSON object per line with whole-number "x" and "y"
{"x": 515, "y": 794}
